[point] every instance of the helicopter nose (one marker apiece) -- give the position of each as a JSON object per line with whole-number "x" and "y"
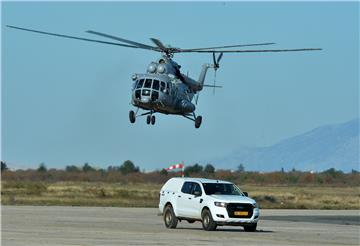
{"x": 145, "y": 99}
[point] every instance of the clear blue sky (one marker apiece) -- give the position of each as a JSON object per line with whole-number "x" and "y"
{"x": 67, "y": 101}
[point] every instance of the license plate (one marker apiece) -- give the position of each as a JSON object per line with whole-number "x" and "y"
{"x": 241, "y": 213}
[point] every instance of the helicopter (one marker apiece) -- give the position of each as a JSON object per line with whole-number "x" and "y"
{"x": 163, "y": 88}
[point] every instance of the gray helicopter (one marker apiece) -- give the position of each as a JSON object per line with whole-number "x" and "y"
{"x": 163, "y": 88}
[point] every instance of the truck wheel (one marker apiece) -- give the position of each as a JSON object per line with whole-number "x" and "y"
{"x": 170, "y": 218}
{"x": 207, "y": 221}
{"x": 250, "y": 228}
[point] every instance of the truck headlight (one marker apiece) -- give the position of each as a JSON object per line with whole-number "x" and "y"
{"x": 220, "y": 204}
{"x": 255, "y": 205}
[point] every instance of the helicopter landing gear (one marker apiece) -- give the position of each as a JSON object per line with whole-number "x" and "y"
{"x": 132, "y": 116}
{"x": 150, "y": 119}
{"x": 198, "y": 121}
{"x": 153, "y": 120}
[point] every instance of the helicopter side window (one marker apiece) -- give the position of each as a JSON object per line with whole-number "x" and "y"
{"x": 167, "y": 88}
{"x": 156, "y": 85}
{"x": 147, "y": 83}
{"x": 140, "y": 83}
{"x": 162, "y": 86}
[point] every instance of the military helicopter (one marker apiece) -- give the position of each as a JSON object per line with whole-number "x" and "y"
{"x": 163, "y": 88}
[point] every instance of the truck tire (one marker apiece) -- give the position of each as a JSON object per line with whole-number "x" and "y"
{"x": 250, "y": 228}
{"x": 207, "y": 221}
{"x": 170, "y": 217}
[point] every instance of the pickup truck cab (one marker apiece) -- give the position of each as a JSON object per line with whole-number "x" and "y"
{"x": 213, "y": 202}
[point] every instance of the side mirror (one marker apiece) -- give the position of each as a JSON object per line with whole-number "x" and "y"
{"x": 246, "y": 194}
{"x": 197, "y": 193}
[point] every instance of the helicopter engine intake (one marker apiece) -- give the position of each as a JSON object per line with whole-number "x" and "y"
{"x": 186, "y": 106}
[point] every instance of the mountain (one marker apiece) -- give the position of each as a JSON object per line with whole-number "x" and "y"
{"x": 322, "y": 148}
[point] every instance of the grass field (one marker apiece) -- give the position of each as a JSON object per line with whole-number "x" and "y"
{"x": 147, "y": 195}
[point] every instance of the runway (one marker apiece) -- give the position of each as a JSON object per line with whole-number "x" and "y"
{"x": 37, "y": 225}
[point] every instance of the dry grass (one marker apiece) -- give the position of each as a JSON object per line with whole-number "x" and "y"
{"x": 312, "y": 197}
{"x": 147, "y": 195}
{"x": 80, "y": 194}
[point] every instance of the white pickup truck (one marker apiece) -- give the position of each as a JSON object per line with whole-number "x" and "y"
{"x": 213, "y": 202}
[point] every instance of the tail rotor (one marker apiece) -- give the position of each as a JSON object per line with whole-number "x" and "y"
{"x": 216, "y": 66}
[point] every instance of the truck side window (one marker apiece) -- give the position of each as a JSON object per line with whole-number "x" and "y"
{"x": 187, "y": 187}
{"x": 196, "y": 187}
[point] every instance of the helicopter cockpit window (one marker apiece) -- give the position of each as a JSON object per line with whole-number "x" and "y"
{"x": 137, "y": 94}
{"x": 156, "y": 85}
{"x": 162, "y": 86}
{"x": 147, "y": 83}
{"x": 140, "y": 83}
{"x": 154, "y": 95}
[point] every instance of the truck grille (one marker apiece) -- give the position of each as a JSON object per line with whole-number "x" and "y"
{"x": 240, "y": 207}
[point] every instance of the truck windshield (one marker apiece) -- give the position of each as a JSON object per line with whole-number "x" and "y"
{"x": 221, "y": 189}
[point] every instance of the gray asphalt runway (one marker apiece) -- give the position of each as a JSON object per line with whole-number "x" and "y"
{"x": 36, "y": 225}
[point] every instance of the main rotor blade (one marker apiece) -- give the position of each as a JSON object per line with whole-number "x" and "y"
{"x": 226, "y": 46}
{"x": 139, "y": 45}
{"x": 71, "y": 37}
{"x": 159, "y": 44}
{"x": 244, "y": 51}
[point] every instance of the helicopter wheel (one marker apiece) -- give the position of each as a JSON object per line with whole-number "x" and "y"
{"x": 148, "y": 119}
{"x": 198, "y": 121}
{"x": 153, "y": 120}
{"x": 132, "y": 116}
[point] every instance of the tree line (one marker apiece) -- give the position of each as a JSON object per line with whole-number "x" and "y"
{"x": 127, "y": 172}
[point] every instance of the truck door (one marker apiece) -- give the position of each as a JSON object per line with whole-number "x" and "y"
{"x": 182, "y": 199}
{"x": 188, "y": 204}
{"x": 194, "y": 201}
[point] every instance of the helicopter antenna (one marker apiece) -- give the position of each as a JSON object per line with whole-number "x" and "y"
{"x": 216, "y": 67}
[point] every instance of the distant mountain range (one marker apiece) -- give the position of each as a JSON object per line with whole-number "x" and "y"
{"x": 322, "y": 148}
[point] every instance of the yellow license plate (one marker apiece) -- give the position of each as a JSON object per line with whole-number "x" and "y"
{"x": 241, "y": 213}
